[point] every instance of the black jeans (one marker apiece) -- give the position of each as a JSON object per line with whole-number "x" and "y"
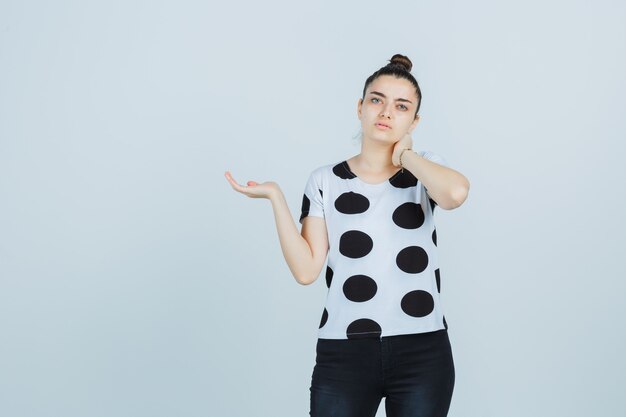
{"x": 415, "y": 374}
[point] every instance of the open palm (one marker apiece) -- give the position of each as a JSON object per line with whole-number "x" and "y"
{"x": 253, "y": 189}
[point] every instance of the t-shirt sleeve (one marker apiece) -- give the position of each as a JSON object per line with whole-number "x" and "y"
{"x": 435, "y": 157}
{"x": 312, "y": 199}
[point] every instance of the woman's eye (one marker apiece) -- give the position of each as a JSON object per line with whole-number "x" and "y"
{"x": 401, "y": 105}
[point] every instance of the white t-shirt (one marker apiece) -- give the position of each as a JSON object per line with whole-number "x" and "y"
{"x": 382, "y": 269}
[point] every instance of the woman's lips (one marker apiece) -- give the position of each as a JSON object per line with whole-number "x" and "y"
{"x": 381, "y": 126}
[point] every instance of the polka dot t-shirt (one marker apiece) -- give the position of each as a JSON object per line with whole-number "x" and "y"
{"x": 382, "y": 269}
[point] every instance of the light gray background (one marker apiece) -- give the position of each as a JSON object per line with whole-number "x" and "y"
{"x": 135, "y": 282}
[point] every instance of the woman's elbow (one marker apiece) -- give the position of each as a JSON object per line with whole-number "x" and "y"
{"x": 460, "y": 195}
{"x": 304, "y": 279}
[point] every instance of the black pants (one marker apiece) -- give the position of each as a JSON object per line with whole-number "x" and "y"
{"x": 415, "y": 373}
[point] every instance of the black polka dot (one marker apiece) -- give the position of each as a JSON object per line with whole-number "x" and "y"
{"x": 435, "y": 236}
{"x": 359, "y": 288}
{"x": 363, "y": 328}
{"x": 444, "y": 322}
{"x": 403, "y": 179}
{"x": 352, "y": 203}
{"x": 324, "y": 318}
{"x": 432, "y": 204}
{"x": 408, "y": 215}
{"x": 417, "y": 303}
{"x": 355, "y": 244}
{"x": 321, "y": 193}
{"x": 412, "y": 259}
{"x": 306, "y": 206}
{"x": 329, "y": 276}
{"x": 343, "y": 171}
{"x": 438, "y": 279}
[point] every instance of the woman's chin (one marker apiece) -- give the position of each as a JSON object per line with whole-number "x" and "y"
{"x": 380, "y": 139}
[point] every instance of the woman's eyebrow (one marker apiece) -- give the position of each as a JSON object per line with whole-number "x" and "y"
{"x": 383, "y": 96}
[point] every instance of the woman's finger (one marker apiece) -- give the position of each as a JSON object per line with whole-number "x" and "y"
{"x": 233, "y": 183}
{"x": 244, "y": 189}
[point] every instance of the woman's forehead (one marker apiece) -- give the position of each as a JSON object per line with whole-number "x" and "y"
{"x": 392, "y": 87}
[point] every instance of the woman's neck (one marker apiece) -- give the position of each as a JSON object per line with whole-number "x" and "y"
{"x": 374, "y": 159}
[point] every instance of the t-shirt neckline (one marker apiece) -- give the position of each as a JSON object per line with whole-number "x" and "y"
{"x": 344, "y": 163}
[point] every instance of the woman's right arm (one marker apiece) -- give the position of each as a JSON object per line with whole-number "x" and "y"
{"x": 305, "y": 253}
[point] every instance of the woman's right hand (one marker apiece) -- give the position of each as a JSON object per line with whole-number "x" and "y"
{"x": 254, "y": 189}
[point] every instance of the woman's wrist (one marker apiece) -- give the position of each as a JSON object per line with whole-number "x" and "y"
{"x": 400, "y": 157}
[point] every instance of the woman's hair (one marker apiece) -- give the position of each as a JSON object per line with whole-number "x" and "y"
{"x": 400, "y": 67}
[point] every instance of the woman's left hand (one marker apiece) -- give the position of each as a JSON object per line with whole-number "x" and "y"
{"x": 405, "y": 142}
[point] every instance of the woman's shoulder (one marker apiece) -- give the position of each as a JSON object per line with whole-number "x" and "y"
{"x": 327, "y": 168}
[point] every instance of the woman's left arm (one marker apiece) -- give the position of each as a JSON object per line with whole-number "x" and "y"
{"x": 448, "y": 187}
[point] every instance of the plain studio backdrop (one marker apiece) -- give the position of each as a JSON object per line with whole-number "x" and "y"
{"x": 134, "y": 281}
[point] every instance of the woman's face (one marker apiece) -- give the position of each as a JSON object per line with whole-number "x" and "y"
{"x": 391, "y": 101}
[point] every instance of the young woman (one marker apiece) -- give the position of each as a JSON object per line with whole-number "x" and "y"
{"x": 382, "y": 332}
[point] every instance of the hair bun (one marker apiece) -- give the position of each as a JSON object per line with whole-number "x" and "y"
{"x": 402, "y": 61}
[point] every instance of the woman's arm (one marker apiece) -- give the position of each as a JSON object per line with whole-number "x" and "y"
{"x": 305, "y": 254}
{"x": 448, "y": 187}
